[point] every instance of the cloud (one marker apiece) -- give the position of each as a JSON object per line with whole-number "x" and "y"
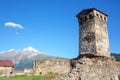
{"x": 14, "y": 25}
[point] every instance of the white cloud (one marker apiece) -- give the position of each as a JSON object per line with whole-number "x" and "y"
{"x": 14, "y": 25}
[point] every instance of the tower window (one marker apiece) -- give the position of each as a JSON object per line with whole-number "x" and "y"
{"x": 90, "y": 16}
{"x": 85, "y": 18}
{"x": 104, "y": 18}
{"x": 79, "y": 78}
{"x": 81, "y": 19}
{"x": 101, "y": 17}
{"x": 118, "y": 77}
{"x": 97, "y": 15}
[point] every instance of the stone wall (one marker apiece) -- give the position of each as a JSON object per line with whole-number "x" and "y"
{"x": 18, "y": 72}
{"x": 118, "y": 69}
{"x": 6, "y": 71}
{"x": 101, "y": 35}
{"x": 55, "y": 66}
{"x": 28, "y": 71}
{"x": 92, "y": 67}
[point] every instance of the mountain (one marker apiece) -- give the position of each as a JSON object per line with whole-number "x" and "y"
{"x": 24, "y": 58}
{"x": 117, "y": 56}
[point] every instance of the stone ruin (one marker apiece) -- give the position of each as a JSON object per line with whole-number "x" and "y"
{"x": 55, "y": 66}
{"x": 94, "y": 61}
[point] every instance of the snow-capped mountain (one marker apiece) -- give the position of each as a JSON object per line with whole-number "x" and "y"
{"x": 30, "y": 49}
{"x": 24, "y": 58}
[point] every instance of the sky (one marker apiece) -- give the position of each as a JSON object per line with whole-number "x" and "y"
{"x": 51, "y": 26}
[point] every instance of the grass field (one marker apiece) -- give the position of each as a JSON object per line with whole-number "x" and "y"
{"x": 49, "y": 76}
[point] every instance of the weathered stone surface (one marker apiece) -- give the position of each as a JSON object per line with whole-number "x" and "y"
{"x": 93, "y": 32}
{"x": 28, "y": 71}
{"x": 93, "y": 68}
{"x": 5, "y": 71}
{"x": 55, "y": 66}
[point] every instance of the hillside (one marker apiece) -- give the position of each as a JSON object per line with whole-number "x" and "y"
{"x": 117, "y": 56}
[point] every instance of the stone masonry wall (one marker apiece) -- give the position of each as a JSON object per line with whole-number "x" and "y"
{"x": 118, "y": 69}
{"x": 101, "y": 34}
{"x": 93, "y": 32}
{"x": 55, "y": 66}
{"x": 87, "y": 34}
{"x": 6, "y": 71}
{"x": 91, "y": 68}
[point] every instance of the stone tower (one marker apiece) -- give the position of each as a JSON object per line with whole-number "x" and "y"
{"x": 93, "y": 32}
{"x": 94, "y": 61}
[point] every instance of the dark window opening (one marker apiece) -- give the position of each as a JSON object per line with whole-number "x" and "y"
{"x": 79, "y": 78}
{"x": 118, "y": 77}
{"x": 40, "y": 73}
{"x": 10, "y": 72}
{"x": 97, "y": 15}
{"x": 104, "y": 18}
{"x": 90, "y": 16}
{"x": 101, "y": 17}
{"x": 85, "y": 18}
{"x": 81, "y": 19}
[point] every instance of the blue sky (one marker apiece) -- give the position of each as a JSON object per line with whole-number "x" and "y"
{"x": 51, "y": 26}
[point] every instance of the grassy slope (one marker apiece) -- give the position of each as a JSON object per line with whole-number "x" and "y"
{"x": 49, "y": 76}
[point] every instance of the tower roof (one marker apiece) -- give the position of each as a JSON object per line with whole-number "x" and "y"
{"x": 86, "y": 11}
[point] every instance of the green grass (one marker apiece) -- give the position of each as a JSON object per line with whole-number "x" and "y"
{"x": 49, "y": 76}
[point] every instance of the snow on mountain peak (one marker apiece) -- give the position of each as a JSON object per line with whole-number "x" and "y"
{"x": 8, "y": 51}
{"x": 11, "y": 50}
{"x": 30, "y": 49}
